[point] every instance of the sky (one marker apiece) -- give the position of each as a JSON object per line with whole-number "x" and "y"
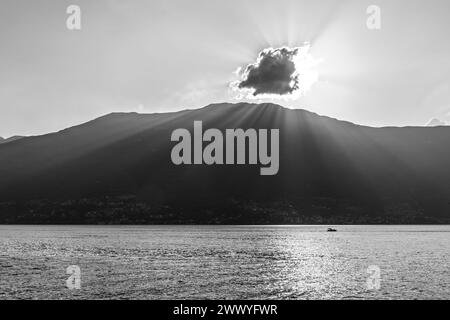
{"x": 168, "y": 55}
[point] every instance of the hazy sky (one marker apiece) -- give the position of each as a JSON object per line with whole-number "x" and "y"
{"x": 165, "y": 55}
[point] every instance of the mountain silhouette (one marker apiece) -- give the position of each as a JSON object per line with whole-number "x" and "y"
{"x": 10, "y": 139}
{"x": 330, "y": 170}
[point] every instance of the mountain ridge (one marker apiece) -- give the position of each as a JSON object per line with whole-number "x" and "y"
{"x": 328, "y": 168}
{"x": 10, "y": 139}
{"x": 124, "y": 113}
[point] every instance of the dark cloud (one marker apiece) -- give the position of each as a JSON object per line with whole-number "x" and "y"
{"x": 273, "y": 73}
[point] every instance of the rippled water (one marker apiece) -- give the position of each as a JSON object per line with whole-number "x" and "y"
{"x": 225, "y": 262}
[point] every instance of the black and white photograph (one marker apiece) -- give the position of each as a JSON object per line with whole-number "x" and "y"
{"x": 249, "y": 151}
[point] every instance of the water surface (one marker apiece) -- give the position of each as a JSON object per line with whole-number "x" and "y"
{"x": 225, "y": 262}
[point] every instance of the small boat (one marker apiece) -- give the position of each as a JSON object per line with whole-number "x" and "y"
{"x": 331, "y": 230}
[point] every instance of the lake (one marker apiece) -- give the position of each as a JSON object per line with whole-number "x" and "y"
{"x": 225, "y": 262}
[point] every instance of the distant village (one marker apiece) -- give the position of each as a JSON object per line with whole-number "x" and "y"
{"x": 122, "y": 210}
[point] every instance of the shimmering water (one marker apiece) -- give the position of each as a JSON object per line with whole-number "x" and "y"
{"x": 225, "y": 262}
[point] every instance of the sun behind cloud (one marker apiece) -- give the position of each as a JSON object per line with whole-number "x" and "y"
{"x": 278, "y": 73}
